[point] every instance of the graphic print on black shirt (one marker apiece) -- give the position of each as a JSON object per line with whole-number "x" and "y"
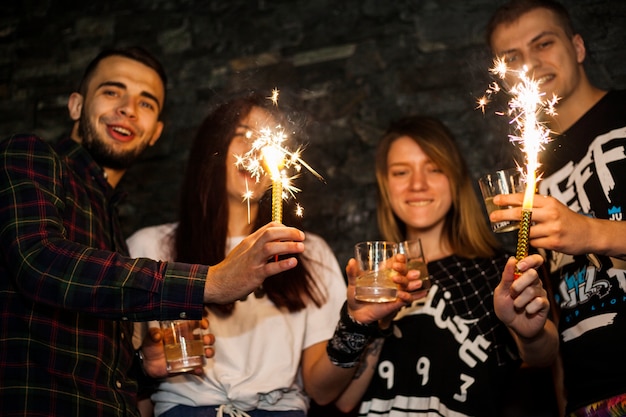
{"x": 585, "y": 169}
{"x": 444, "y": 354}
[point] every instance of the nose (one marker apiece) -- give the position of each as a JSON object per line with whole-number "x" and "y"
{"x": 531, "y": 62}
{"x": 418, "y": 181}
{"x": 128, "y": 107}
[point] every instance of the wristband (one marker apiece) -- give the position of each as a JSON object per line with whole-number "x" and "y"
{"x": 349, "y": 340}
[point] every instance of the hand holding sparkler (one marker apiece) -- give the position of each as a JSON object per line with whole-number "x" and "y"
{"x": 522, "y": 304}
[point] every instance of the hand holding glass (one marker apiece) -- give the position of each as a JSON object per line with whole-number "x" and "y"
{"x": 184, "y": 347}
{"x": 374, "y": 283}
{"x": 415, "y": 259}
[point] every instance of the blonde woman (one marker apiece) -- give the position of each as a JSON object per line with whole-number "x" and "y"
{"x": 449, "y": 353}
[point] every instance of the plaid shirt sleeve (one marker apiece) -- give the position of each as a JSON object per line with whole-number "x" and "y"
{"x": 59, "y": 249}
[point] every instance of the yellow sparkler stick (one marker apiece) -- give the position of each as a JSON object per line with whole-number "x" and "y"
{"x": 273, "y": 160}
{"x": 277, "y": 201}
{"x": 523, "y": 235}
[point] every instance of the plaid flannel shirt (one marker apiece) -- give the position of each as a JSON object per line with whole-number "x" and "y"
{"x": 68, "y": 292}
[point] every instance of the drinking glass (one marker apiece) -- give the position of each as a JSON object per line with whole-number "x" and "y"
{"x": 374, "y": 283}
{"x": 184, "y": 347}
{"x": 415, "y": 259}
{"x": 507, "y": 181}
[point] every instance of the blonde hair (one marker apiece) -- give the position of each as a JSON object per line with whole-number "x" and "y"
{"x": 465, "y": 228}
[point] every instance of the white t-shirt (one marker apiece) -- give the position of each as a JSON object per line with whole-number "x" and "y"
{"x": 259, "y": 347}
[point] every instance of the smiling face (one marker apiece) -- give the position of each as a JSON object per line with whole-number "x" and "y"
{"x": 119, "y": 115}
{"x": 538, "y": 41}
{"x": 419, "y": 192}
{"x": 238, "y": 180}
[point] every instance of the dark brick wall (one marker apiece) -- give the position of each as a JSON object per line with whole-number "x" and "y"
{"x": 344, "y": 69}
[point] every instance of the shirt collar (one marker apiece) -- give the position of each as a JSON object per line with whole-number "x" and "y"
{"x": 81, "y": 161}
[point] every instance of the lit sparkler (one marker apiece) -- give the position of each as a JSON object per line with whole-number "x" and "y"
{"x": 525, "y": 106}
{"x": 269, "y": 156}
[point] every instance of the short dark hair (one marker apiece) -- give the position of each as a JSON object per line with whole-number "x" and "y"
{"x": 512, "y": 10}
{"x": 136, "y": 53}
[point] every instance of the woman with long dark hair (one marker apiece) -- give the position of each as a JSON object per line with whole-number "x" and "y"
{"x": 271, "y": 350}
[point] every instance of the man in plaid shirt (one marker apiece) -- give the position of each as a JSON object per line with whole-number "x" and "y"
{"x": 68, "y": 290}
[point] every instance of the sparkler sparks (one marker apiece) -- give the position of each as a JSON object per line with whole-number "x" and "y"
{"x": 299, "y": 210}
{"x": 268, "y": 155}
{"x": 274, "y": 96}
{"x": 524, "y": 108}
{"x": 246, "y": 197}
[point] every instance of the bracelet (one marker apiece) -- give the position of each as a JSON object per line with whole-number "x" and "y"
{"x": 351, "y": 337}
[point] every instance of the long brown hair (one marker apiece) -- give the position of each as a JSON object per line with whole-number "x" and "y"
{"x": 203, "y": 213}
{"x": 465, "y": 227}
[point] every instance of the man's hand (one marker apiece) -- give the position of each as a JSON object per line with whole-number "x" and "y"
{"x": 554, "y": 225}
{"x": 249, "y": 263}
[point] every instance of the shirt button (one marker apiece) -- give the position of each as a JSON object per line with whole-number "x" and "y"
{"x": 118, "y": 384}
{"x": 183, "y": 315}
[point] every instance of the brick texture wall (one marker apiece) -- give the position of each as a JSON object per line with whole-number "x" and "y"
{"x": 345, "y": 69}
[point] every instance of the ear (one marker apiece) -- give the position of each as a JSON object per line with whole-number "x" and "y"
{"x": 157, "y": 133}
{"x": 75, "y": 105}
{"x": 579, "y": 47}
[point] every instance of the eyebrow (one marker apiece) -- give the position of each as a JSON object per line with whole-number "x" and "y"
{"x": 541, "y": 35}
{"x": 399, "y": 164}
{"x": 533, "y": 40}
{"x": 123, "y": 86}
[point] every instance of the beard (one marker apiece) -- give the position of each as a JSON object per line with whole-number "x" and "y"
{"x": 104, "y": 155}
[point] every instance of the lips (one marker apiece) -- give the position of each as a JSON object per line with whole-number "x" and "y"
{"x": 120, "y": 133}
{"x": 545, "y": 79}
{"x": 420, "y": 203}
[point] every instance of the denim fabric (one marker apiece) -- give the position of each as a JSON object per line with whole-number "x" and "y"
{"x": 211, "y": 411}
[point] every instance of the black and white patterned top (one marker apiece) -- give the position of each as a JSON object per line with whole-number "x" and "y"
{"x": 449, "y": 354}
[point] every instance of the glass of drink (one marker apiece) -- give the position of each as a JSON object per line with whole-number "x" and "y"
{"x": 506, "y": 181}
{"x": 374, "y": 283}
{"x": 184, "y": 347}
{"x": 415, "y": 259}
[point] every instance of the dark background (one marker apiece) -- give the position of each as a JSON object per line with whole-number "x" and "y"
{"x": 344, "y": 69}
